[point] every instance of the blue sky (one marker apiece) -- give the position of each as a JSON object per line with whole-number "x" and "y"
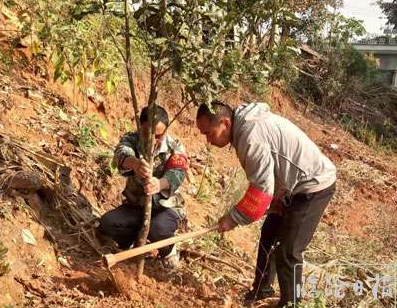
{"x": 367, "y": 11}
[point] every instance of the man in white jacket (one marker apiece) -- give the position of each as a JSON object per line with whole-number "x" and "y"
{"x": 289, "y": 178}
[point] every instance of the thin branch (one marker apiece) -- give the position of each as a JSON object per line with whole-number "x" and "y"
{"x": 180, "y": 110}
{"x": 163, "y": 72}
{"x": 225, "y": 275}
{"x": 9, "y": 30}
{"x": 306, "y": 73}
{"x": 30, "y": 287}
{"x": 129, "y": 69}
{"x": 205, "y": 256}
{"x": 154, "y": 79}
{"x": 203, "y": 176}
{"x": 117, "y": 46}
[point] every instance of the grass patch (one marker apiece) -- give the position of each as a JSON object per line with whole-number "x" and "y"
{"x": 85, "y": 136}
{"x": 6, "y": 57}
{"x": 378, "y": 135}
{"x": 4, "y": 266}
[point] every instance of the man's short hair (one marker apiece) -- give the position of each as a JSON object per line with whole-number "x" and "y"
{"x": 215, "y": 111}
{"x": 160, "y": 115}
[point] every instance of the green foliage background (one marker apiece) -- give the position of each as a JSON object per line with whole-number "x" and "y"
{"x": 210, "y": 47}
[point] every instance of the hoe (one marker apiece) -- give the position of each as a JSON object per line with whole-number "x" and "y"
{"x": 112, "y": 259}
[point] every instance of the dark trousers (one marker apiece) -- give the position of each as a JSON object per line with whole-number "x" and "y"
{"x": 124, "y": 223}
{"x": 284, "y": 238}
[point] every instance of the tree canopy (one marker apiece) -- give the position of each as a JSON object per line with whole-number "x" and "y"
{"x": 389, "y": 8}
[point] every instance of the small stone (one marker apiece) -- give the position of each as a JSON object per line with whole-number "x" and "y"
{"x": 64, "y": 262}
{"x": 192, "y": 190}
{"x": 34, "y": 95}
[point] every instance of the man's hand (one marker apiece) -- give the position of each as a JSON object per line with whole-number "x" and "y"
{"x": 152, "y": 186}
{"x": 226, "y": 223}
{"x": 140, "y": 166}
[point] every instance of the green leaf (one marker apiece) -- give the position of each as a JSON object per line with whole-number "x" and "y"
{"x": 294, "y": 49}
{"x": 160, "y": 40}
{"x": 79, "y": 79}
{"x": 104, "y": 132}
{"x": 168, "y": 19}
{"x": 96, "y": 65}
{"x": 84, "y": 60}
{"x": 58, "y": 66}
{"x": 28, "y": 237}
{"x": 127, "y": 126}
{"x": 9, "y": 3}
{"x": 112, "y": 167}
{"x": 65, "y": 76}
{"x": 35, "y": 47}
{"x": 110, "y": 85}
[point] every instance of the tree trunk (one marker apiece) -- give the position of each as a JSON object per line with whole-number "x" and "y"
{"x": 149, "y": 157}
{"x": 129, "y": 69}
{"x": 145, "y": 144}
{"x": 272, "y": 36}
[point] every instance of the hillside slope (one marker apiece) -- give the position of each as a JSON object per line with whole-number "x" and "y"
{"x": 44, "y": 124}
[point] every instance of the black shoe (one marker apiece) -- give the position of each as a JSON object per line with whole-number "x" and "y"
{"x": 257, "y": 295}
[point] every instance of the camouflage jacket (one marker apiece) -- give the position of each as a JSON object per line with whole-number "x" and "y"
{"x": 170, "y": 161}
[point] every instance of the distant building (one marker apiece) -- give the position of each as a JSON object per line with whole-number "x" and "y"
{"x": 384, "y": 49}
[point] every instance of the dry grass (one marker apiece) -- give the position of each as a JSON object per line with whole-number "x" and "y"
{"x": 361, "y": 192}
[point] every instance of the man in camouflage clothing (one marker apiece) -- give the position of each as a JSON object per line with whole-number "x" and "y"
{"x": 124, "y": 223}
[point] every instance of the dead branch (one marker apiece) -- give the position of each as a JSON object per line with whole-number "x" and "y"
{"x": 49, "y": 233}
{"x": 225, "y": 275}
{"x": 306, "y": 73}
{"x": 37, "y": 153}
{"x": 248, "y": 266}
{"x": 31, "y": 288}
{"x": 49, "y": 167}
{"x": 205, "y": 256}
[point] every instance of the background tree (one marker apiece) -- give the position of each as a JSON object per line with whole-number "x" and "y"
{"x": 389, "y": 8}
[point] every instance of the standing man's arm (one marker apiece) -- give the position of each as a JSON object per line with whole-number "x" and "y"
{"x": 257, "y": 162}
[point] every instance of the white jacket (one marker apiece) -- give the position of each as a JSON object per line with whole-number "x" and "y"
{"x": 276, "y": 155}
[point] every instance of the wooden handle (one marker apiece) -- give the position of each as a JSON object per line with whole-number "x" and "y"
{"x": 112, "y": 259}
